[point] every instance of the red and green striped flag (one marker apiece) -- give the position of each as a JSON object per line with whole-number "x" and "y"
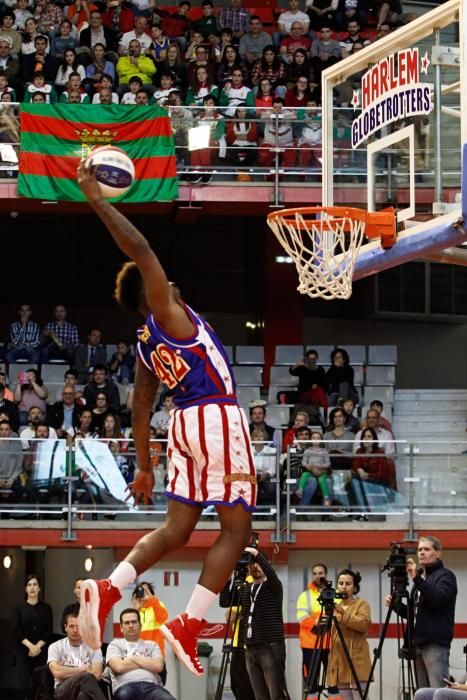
{"x": 54, "y": 138}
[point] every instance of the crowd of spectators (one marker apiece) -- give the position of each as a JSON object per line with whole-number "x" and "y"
{"x": 335, "y": 458}
{"x": 221, "y": 61}
{"x": 87, "y": 403}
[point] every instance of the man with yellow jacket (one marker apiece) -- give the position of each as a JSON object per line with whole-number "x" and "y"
{"x": 308, "y": 613}
{"x": 135, "y": 64}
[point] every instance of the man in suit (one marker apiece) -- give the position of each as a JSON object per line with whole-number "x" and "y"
{"x": 89, "y": 355}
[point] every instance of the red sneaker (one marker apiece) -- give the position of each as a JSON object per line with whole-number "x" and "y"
{"x": 97, "y": 600}
{"x": 182, "y": 635}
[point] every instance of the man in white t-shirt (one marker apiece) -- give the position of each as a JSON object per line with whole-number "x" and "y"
{"x": 139, "y": 33}
{"x": 75, "y": 667}
{"x": 135, "y": 663}
{"x": 287, "y": 18}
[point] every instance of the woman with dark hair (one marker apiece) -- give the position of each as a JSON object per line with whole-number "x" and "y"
{"x": 340, "y": 377}
{"x": 111, "y": 428}
{"x": 62, "y": 40}
{"x": 354, "y": 617}
{"x": 30, "y": 391}
{"x": 299, "y": 95}
{"x": 339, "y": 441}
{"x": 174, "y": 63}
{"x": 32, "y": 624}
{"x": 68, "y": 65}
{"x": 242, "y": 137}
{"x": 84, "y": 427}
{"x": 299, "y": 66}
{"x": 99, "y": 65}
{"x": 28, "y": 36}
{"x": 200, "y": 88}
{"x": 372, "y": 472}
{"x": 100, "y": 411}
{"x": 270, "y": 66}
{"x": 231, "y": 59}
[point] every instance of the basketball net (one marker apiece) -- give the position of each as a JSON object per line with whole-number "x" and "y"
{"x": 324, "y": 250}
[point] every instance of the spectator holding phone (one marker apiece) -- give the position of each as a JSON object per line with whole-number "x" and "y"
{"x": 30, "y": 391}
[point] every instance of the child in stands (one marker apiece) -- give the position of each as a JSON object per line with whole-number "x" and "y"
{"x": 39, "y": 85}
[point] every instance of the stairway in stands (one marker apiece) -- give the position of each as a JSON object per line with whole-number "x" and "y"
{"x": 434, "y": 420}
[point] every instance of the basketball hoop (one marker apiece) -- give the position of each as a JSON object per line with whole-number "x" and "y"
{"x": 324, "y": 243}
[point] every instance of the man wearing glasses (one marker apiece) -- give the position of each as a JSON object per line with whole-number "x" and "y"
{"x": 135, "y": 663}
{"x": 63, "y": 414}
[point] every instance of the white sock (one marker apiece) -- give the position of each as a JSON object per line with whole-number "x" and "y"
{"x": 200, "y": 601}
{"x": 124, "y": 574}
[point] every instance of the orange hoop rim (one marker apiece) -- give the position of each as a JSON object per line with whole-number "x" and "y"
{"x": 378, "y": 224}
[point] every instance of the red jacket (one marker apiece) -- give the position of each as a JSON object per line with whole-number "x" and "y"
{"x": 378, "y": 467}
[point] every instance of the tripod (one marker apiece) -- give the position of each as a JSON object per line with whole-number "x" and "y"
{"x": 318, "y": 667}
{"x": 238, "y": 585}
{"x": 400, "y": 598}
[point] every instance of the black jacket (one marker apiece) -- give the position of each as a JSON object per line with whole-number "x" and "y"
{"x": 308, "y": 376}
{"x": 434, "y": 599}
{"x": 55, "y": 415}
{"x": 110, "y": 36}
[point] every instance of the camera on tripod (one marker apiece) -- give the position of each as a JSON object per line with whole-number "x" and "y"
{"x": 241, "y": 567}
{"x": 328, "y": 595}
{"x": 396, "y": 565}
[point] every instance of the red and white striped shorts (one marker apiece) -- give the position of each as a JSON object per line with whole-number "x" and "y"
{"x": 210, "y": 456}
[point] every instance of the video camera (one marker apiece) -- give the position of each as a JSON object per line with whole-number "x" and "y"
{"x": 328, "y": 595}
{"x": 241, "y": 567}
{"x": 396, "y": 565}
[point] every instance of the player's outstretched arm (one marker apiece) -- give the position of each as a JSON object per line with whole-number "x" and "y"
{"x": 133, "y": 244}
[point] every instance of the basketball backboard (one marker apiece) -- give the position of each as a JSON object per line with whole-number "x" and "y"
{"x": 394, "y": 126}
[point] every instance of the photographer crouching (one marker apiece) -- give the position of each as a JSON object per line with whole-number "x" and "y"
{"x": 433, "y": 601}
{"x": 261, "y": 610}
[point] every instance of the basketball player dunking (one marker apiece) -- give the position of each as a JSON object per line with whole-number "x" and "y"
{"x": 209, "y": 451}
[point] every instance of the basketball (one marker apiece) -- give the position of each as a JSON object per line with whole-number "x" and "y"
{"x": 115, "y": 171}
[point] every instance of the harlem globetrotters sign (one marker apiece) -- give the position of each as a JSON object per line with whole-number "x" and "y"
{"x": 391, "y": 91}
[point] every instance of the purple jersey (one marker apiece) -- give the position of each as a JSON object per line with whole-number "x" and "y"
{"x": 196, "y": 369}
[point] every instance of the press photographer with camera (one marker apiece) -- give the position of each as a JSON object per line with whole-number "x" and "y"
{"x": 433, "y": 601}
{"x": 152, "y": 613}
{"x": 354, "y": 618}
{"x": 261, "y": 610}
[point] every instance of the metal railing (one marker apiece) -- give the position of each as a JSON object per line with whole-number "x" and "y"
{"x": 286, "y": 149}
{"x": 87, "y": 480}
